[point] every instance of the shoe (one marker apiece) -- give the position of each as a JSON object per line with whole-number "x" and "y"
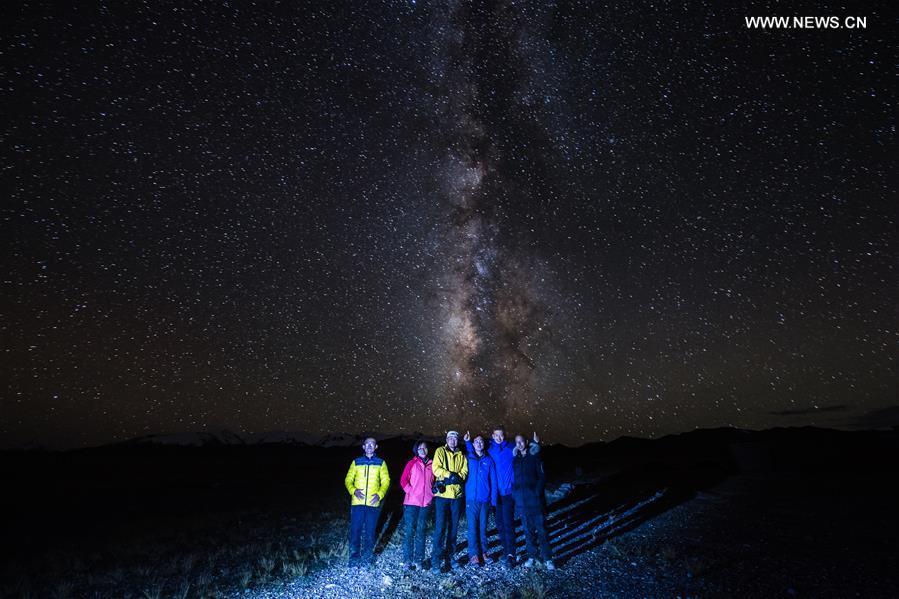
{"x": 549, "y": 565}
{"x": 454, "y": 564}
{"x": 510, "y": 562}
{"x": 445, "y": 569}
{"x": 412, "y": 566}
{"x": 529, "y": 563}
{"x": 474, "y": 561}
{"x": 486, "y": 559}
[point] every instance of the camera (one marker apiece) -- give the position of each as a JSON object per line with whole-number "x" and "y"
{"x": 439, "y": 486}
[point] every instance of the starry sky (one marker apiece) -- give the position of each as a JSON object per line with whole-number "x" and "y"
{"x": 592, "y": 219}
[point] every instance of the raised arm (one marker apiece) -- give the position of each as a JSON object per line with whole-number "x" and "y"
{"x": 469, "y": 449}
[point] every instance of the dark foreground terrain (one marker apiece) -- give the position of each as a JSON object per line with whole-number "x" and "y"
{"x": 786, "y": 512}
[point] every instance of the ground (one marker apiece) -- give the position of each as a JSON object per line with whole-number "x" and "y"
{"x": 749, "y": 536}
{"x": 790, "y": 513}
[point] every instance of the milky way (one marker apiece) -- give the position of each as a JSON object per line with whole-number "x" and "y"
{"x": 591, "y": 220}
{"x": 488, "y": 293}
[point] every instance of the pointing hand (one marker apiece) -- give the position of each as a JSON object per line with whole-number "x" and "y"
{"x": 536, "y": 438}
{"x": 467, "y": 436}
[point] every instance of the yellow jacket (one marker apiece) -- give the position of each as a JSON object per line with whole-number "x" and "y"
{"x": 370, "y": 476}
{"x": 446, "y": 463}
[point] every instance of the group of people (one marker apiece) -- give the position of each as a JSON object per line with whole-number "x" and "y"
{"x": 504, "y": 478}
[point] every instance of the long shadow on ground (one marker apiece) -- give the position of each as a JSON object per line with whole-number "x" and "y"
{"x": 594, "y": 511}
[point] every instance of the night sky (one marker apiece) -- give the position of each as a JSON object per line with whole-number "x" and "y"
{"x": 592, "y": 219}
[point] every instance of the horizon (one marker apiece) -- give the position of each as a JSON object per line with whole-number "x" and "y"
{"x": 256, "y": 438}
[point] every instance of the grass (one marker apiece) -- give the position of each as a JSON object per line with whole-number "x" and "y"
{"x": 183, "y": 590}
{"x": 63, "y": 589}
{"x": 188, "y": 562}
{"x": 244, "y": 578}
{"x": 294, "y": 568}
{"x": 154, "y": 592}
{"x": 450, "y": 587}
{"x": 534, "y": 588}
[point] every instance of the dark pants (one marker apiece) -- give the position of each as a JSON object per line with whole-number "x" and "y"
{"x": 476, "y": 513}
{"x": 363, "y": 523}
{"x": 415, "y": 519}
{"x": 446, "y": 526}
{"x": 535, "y": 531}
{"x": 505, "y": 522}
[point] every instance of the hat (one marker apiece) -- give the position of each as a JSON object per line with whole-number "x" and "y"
{"x": 452, "y": 434}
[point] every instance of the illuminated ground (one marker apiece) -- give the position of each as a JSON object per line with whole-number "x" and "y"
{"x": 754, "y": 536}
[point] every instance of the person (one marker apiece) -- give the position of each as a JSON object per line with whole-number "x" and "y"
{"x": 528, "y": 489}
{"x": 450, "y": 471}
{"x": 480, "y": 495}
{"x": 504, "y": 513}
{"x": 416, "y": 480}
{"x": 367, "y": 482}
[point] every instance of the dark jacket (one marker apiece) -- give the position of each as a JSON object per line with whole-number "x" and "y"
{"x": 529, "y": 482}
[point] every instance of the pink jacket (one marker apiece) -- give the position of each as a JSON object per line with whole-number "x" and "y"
{"x": 417, "y": 480}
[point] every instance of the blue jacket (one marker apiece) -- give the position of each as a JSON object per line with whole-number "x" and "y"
{"x": 481, "y": 484}
{"x": 502, "y": 457}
